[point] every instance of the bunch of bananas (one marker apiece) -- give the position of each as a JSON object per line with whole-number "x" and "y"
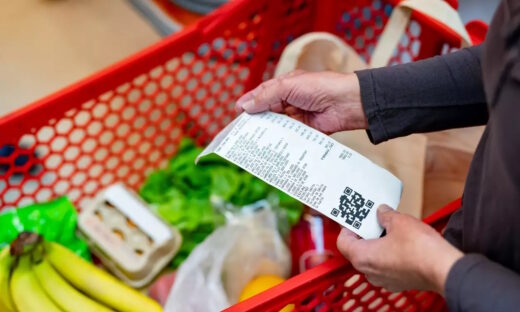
{"x": 38, "y": 276}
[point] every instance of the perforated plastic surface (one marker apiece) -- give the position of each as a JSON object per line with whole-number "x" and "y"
{"x": 132, "y": 127}
{"x": 124, "y": 122}
{"x": 337, "y": 286}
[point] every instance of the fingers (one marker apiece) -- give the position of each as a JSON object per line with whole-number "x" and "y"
{"x": 242, "y": 100}
{"x": 362, "y": 254}
{"x": 381, "y": 282}
{"x": 374, "y": 280}
{"x": 295, "y": 72}
{"x": 386, "y": 216}
{"x": 296, "y": 113}
{"x": 347, "y": 234}
{"x": 348, "y": 243}
{"x": 269, "y": 95}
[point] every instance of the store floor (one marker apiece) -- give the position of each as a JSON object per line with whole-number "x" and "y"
{"x": 47, "y": 44}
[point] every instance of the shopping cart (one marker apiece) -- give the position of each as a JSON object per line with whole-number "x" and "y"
{"x": 337, "y": 286}
{"x": 127, "y": 120}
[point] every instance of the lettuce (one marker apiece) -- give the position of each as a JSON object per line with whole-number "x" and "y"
{"x": 181, "y": 194}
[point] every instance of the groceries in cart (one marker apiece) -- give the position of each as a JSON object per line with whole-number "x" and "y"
{"x": 127, "y": 237}
{"x": 40, "y": 275}
{"x": 55, "y": 220}
{"x": 184, "y": 215}
{"x": 220, "y": 230}
{"x": 190, "y": 197}
{"x": 224, "y": 264}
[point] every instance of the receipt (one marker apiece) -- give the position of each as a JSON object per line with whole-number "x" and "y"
{"x": 311, "y": 167}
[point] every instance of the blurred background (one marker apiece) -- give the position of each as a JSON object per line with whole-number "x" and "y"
{"x": 477, "y": 9}
{"x": 47, "y": 44}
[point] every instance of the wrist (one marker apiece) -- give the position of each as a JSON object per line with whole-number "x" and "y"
{"x": 442, "y": 266}
{"x": 353, "y": 102}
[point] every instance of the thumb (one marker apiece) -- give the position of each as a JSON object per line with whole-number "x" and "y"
{"x": 269, "y": 95}
{"x": 386, "y": 216}
{"x": 246, "y": 98}
{"x": 346, "y": 242}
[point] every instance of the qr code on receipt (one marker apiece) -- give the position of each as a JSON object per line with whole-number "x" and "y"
{"x": 353, "y": 207}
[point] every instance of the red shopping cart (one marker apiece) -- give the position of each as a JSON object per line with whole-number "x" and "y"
{"x": 125, "y": 121}
{"x": 337, "y": 286}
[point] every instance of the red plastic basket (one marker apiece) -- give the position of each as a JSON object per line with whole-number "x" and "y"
{"x": 123, "y": 122}
{"x": 337, "y": 286}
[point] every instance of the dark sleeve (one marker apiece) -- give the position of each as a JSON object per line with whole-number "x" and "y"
{"x": 439, "y": 93}
{"x": 478, "y": 284}
{"x": 453, "y": 231}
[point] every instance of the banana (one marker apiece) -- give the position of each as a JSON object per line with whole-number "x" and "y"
{"x": 65, "y": 296}
{"x": 6, "y": 261}
{"x": 97, "y": 283}
{"x": 28, "y": 296}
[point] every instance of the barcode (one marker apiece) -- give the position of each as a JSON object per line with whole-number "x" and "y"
{"x": 353, "y": 207}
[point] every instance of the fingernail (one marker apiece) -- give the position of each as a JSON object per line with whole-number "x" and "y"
{"x": 343, "y": 232}
{"x": 346, "y": 234}
{"x": 248, "y": 105}
{"x": 384, "y": 208}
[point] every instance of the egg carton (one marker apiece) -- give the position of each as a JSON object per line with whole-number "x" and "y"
{"x": 130, "y": 240}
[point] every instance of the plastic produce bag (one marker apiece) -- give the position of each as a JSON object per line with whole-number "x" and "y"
{"x": 55, "y": 221}
{"x": 215, "y": 273}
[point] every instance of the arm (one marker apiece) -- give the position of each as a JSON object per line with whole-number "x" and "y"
{"x": 475, "y": 283}
{"x": 438, "y": 93}
{"x": 434, "y": 94}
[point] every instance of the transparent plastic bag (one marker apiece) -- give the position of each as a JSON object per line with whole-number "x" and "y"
{"x": 217, "y": 270}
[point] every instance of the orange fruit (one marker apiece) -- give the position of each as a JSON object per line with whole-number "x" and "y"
{"x": 260, "y": 284}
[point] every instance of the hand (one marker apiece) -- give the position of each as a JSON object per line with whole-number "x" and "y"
{"x": 412, "y": 255}
{"x": 329, "y": 102}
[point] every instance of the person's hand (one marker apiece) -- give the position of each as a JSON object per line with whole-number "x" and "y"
{"x": 329, "y": 102}
{"x": 412, "y": 255}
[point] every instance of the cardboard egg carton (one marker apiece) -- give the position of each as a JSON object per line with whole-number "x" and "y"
{"x": 127, "y": 236}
